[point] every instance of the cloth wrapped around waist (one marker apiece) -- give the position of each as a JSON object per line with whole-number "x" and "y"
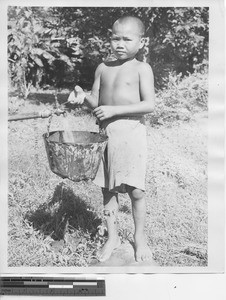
{"x": 124, "y": 160}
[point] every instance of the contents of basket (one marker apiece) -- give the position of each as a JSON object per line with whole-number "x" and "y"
{"x": 77, "y": 157}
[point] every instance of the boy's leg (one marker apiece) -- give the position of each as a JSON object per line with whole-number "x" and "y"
{"x": 110, "y": 213}
{"x": 142, "y": 251}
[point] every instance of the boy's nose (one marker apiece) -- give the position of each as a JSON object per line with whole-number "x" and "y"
{"x": 120, "y": 46}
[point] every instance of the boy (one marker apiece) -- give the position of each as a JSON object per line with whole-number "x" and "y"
{"x": 122, "y": 93}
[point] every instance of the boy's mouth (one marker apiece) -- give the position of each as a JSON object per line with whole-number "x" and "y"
{"x": 120, "y": 52}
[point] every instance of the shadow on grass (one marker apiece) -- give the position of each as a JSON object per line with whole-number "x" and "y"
{"x": 125, "y": 209}
{"x": 65, "y": 211}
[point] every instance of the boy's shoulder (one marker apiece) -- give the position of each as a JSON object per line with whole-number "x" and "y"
{"x": 143, "y": 65}
{"x": 100, "y": 68}
{"x": 144, "y": 68}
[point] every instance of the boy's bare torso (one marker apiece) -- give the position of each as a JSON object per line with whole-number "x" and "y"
{"x": 119, "y": 83}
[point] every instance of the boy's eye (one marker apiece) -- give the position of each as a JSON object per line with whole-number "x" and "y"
{"x": 115, "y": 39}
{"x": 118, "y": 39}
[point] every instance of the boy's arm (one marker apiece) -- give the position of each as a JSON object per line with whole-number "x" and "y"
{"x": 78, "y": 96}
{"x": 93, "y": 99}
{"x": 147, "y": 89}
{"x": 147, "y": 96}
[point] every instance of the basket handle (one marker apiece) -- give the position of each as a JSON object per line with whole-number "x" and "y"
{"x": 48, "y": 125}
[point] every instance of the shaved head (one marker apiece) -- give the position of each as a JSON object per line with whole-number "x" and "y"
{"x": 134, "y": 22}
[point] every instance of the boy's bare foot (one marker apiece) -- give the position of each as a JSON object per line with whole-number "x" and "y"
{"x": 111, "y": 244}
{"x": 142, "y": 251}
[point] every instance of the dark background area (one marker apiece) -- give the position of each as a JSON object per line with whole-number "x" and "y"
{"x": 62, "y": 46}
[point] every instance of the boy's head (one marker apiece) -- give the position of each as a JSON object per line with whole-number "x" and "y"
{"x": 127, "y": 37}
{"x": 133, "y": 22}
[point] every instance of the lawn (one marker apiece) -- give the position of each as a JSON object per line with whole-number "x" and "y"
{"x": 57, "y": 222}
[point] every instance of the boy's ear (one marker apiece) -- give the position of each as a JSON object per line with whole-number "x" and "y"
{"x": 142, "y": 41}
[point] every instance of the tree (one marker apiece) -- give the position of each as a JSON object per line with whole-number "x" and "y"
{"x": 178, "y": 40}
{"x": 61, "y": 46}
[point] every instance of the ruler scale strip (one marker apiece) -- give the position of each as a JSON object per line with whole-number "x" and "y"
{"x": 52, "y": 286}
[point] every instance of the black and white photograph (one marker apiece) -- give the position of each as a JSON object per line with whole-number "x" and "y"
{"x": 108, "y": 115}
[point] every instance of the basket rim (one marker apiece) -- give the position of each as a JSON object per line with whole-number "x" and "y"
{"x": 105, "y": 137}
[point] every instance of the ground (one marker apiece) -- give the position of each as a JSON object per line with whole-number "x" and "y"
{"x": 56, "y": 222}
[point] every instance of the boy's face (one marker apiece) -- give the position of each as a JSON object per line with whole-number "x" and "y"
{"x": 126, "y": 40}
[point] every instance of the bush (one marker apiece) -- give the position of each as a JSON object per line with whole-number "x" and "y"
{"x": 38, "y": 55}
{"x": 182, "y": 97}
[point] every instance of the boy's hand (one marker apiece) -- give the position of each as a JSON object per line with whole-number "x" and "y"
{"x": 105, "y": 112}
{"x": 77, "y": 96}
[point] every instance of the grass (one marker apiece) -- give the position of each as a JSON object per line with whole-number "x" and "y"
{"x": 56, "y": 222}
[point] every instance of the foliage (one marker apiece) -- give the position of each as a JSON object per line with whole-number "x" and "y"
{"x": 182, "y": 97}
{"x": 34, "y": 51}
{"x": 178, "y": 40}
{"x": 61, "y": 46}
